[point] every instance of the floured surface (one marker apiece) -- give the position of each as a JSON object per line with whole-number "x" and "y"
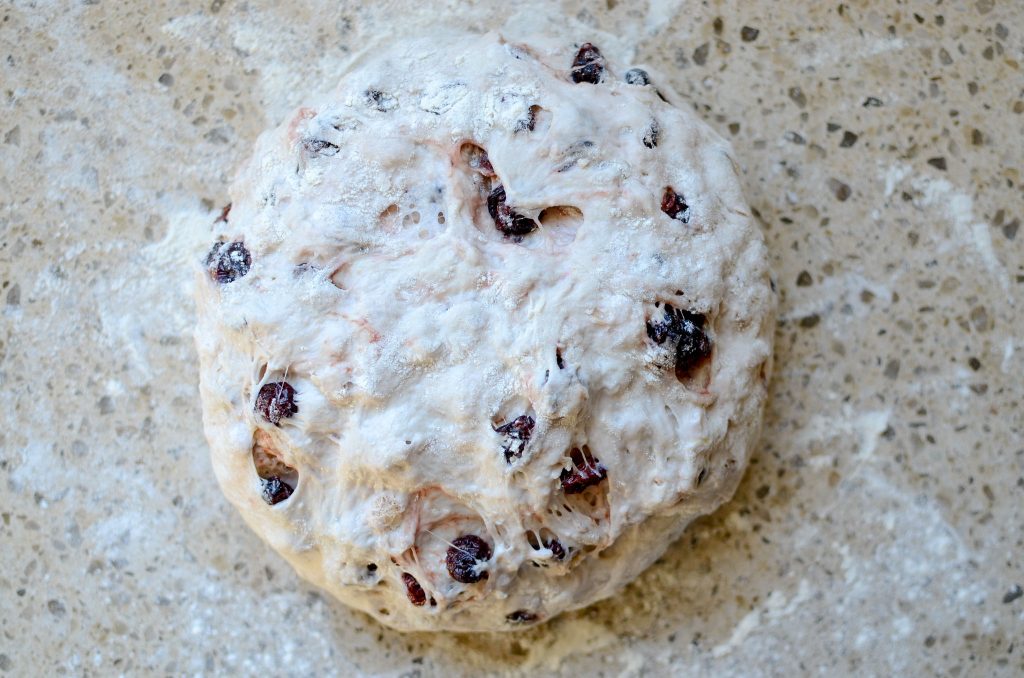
{"x": 385, "y": 372}
{"x": 122, "y": 556}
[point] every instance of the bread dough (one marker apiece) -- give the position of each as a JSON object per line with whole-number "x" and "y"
{"x": 482, "y": 331}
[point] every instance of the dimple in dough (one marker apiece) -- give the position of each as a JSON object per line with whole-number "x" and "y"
{"x": 482, "y": 331}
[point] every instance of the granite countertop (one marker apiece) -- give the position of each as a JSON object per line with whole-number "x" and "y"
{"x": 878, "y": 530}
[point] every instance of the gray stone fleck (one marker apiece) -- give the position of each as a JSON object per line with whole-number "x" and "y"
{"x": 700, "y": 55}
{"x": 980, "y": 319}
{"x": 106, "y": 405}
{"x": 1010, "y": 229}
{"x": 797, "y": 95}
{"x": 13, "y": 136}
{"x": 839, "y": 189}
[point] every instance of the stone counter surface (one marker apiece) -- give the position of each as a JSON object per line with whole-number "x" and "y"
{"x": 879, "y": 529}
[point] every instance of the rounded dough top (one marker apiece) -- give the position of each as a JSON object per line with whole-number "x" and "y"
{"x": 482, "y": 331}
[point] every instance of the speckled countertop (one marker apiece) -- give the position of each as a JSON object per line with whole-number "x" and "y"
{"x": 879, "y": 530}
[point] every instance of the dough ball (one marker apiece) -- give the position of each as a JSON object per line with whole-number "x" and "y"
{"x": 482, "y": 331}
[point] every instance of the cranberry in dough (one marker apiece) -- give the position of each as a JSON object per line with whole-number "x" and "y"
{"x": 482, "y": 331}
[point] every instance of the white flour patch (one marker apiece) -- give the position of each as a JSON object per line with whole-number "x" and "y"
{"x": 659, "y": 14}
{"x": 893, "y": 176}
{"x": 848, "y": 564}
{"x": 775, "y": 607}
{"x": 865, "y": 426}
{"x": 188, "y": 234}
{"x": 578, "y": 636}
{"x": 847, "y": 49}
{"x": 36, "y": 467}
{"x": 870, "y": 426}
{"x": 835, "y": 291}
{"x": 161, "y": 306}
{"x": 956, "y": 206}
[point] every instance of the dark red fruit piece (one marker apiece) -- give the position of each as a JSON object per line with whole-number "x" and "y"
{"x": 558, "y": 358}
{"x": 509, "y": 222}
{"x": 477, "y": 159}
{"x": 319, "y": 147}
{"x": 224, "y": 212}
{"x": 276, "y": 401}
{"x": 585, "y": 471}
{"x": 529, "y": 122}
{"x": 588, "y": 66}
{"x": 517, "y": 430}
{"x": 686, "y": 331}
{"x": 228, "y": 261}
{"x": 463, "y": 555}
{"x": 275, "y": 490}
{"x": 382, "y": 101}
{"x": 637, "y": 76}
{"x": 675, "y": 206}
{"x": 413, "y": 590}
{"x": 675, "y": 323}
{"x": 521, "y": 617}
{"x": 483, "y": 165}
{"x": 557, "y": 550}
{"x": 693, "y": 348}
{"x": 576, "y": 152}
{"x": 651, "y": 138}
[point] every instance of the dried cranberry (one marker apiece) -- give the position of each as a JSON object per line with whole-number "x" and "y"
{"x": 529, "y": 122}
{"x": 477, "y": 159}
{"x": 675, "y": 206}
{"x": 228, "y": 261}
{"x": 319, "y": 147}
{"x": 521, "y": 617}
{"x": 686, "y": 331}
{"x": 509, "y": 222}
{"x": 637, "y": 76}
{"x": 413, "y": 590}
{"x": 275, "y": 490}
{"x": 673, "y": 325}
{"x": 517, "y": 430}
{"x": 651, "y": 138}
{"x": 586, "y": 471}
{"x": 224, "y": 212}
{"x": 580, "y": 150}
{"x": 276, "y": 401}
{"x": 382, "y": 101}
{"x": 692, "y": 349}
{"x": 463, "y": 555}
{"x": 557, "y": 550}
{"x": 588, "y": 66}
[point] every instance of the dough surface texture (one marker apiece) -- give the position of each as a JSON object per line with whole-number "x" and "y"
{"x": 482, "y": 331}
